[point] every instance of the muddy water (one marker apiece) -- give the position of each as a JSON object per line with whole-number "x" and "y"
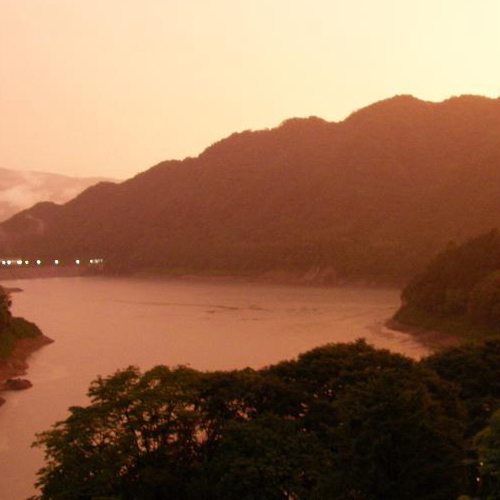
{"x": 102, "y": 324}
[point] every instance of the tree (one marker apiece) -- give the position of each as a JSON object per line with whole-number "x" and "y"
{"x": 268, "y": 458}
{"x": 137, "y": 439}
{"x": 474, "y": 369}
{"x": 483, "y": 306}
{"x": 395, "y": 441}
{"x": 5, "y": 304}
{"x": 487, "y": 444}
{"x": 343, "y": 421}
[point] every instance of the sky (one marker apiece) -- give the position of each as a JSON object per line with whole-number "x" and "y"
{"x": 112, "y": 87}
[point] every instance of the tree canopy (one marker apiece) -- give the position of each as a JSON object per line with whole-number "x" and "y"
{"x": 459, "y": 291}
{"x": 12, "y": 329}
{"x": 345, "y": 421}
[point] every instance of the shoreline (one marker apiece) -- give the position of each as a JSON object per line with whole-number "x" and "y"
{"x": 16, "y": 365}
{"x": 434, "y": 339}
{"x": 315, "y": 278}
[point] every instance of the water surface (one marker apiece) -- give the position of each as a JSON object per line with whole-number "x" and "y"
{"x": 102, "y": 324}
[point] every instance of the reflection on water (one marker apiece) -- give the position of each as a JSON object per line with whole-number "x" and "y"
{"x": 102, "y": 324}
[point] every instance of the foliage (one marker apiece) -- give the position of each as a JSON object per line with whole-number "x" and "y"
{"x": 5, "y": 314}
{"x": 462, "y": 285}
{"x": 12, "y": 329}
{"x": 342, "y": 421}
{"x": 137, "y": 438}
{"x": 487, "y": 444}
{"x": 391, "y": 429}
{"x": 459, "y": 293}
{"x": 24, "y": 329}
{"x": 483, "y": 306}
{"x": 474, "y": 369}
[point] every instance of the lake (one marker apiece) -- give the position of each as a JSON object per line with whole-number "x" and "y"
{"x": 102, "y": 324}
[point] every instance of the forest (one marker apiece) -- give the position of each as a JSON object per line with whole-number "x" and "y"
{"x": 371, "y": 198}
{"x": 342, "y": 421}
{"x": 12, "y": 328}
{"x": 459, "y": 290}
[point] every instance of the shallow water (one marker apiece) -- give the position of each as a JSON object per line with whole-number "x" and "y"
{"x": 102, "y": 324}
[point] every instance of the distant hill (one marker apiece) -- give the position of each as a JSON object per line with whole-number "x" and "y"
{"x": 459, "y": 290}
{"x": 373, "y": 197}
{"x": 22, "y": 189}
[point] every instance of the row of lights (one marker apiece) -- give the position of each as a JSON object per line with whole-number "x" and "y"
{"x": 39, "y": 262}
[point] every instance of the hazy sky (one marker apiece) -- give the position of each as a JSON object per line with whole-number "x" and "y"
{"x": 110, "y": 87}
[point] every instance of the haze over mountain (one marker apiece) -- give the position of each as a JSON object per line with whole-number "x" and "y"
{"x": 373, "y": 196}
{"x": 22, "y": 189}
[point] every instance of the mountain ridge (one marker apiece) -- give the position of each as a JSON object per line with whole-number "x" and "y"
{"x": 21, "y": 189}
{"x": 375, "y": 195}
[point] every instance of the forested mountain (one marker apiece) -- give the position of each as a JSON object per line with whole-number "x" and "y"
{"x": 459, "y": 290}
{"x": 22, "y": 189}
{"x": 373, "y": 196}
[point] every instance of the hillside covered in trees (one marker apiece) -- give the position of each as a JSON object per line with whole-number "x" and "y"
{"x": 12, "y": 328}
{"x": 459, "y": 291}
{"x": 342, "y": 422}
{"x": 374, "y": 196}
{"x": 18, "y": 338}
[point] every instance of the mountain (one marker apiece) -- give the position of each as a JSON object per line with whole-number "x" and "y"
{"x": 459, "y": 290}
{"x": 22, "y": 189}
{"x": 374, "y": 196}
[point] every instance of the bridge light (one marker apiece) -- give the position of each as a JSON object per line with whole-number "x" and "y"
{"x": 77, "y": 262}
{"x": 9, "y": 262}
{"x": 19, "y": 262}
{"x": 38, "y": 262}
{"x": 91, "y": 261}
{"x": 3, "y": 263}
{"x": 56, "y": 262}
{"x": 26, "y": 262}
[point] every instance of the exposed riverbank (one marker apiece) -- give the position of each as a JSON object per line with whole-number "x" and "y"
{"x": 434, "y": 339}
{"x": 31, "y": 272}
{"x": 314, "y": 276}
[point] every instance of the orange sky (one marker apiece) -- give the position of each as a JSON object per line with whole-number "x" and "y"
{"x": 110, "y": 87}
